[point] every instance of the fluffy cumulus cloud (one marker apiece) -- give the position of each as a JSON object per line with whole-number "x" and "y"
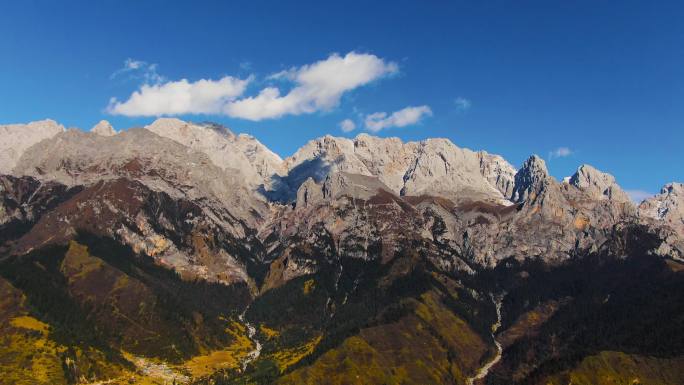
{"x": 314, "y": 87}
{"x": 462, "y": 104}
{"x": 404, "y": 117}
{"x": 180, "y": 97}
{"x": 318, "y": 86}
{"x": 560, "y": 152}
{"x": 347, "y": 125}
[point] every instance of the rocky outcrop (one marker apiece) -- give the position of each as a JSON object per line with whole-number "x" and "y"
{"x": 265, "y": 162}
{"x": 440, "y": 168}
{"x": 17, "y": 138}
{"x": 103, "y": 128}
{"x": 238, "y": 155}
{"x": 667, "y": 206}
{"x": 664, "y": 213}
{"x": 433, "y": 167}
{"x": 597, "y": 184}
{"x": 24, "y": 200}
{"x": 531, "y": 181}
{"x": 550, "y": 221}
{"x": 78, "y": 158}
{"x": 498, "y": 172}
{"x": 176, "y": 233}
{"x": 366, "y": 197}
{"x": 308, "y": 193}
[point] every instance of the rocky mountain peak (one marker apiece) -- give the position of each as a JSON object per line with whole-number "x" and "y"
{"x": 667, "y": 206}
{"x": 16, "y": 138}
{"x": 218, "y": 144}
{"x": 674, "y": 188}
{"x": 103, "y": 128}
{"x": 358, "y": 186}
{"x": 264, "y": 161}
{"x": 441, "y": 168}
{"x": 241, "y": 153}
{"x": 432, "y": 167}
{"x": 531, "y": 179}
{"x": 308, "y": 193}
{"x": 498, "y": 172}
{"x": 598, "y": 184}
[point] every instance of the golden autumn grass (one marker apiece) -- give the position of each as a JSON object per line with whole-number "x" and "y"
{"x": 288, "y": 357}
{"x": 309, "y": 285}
{"x": 413, "y": 349}
{"x": 30, "y": 323}
{"x": 228, "y": 358}
{"x": 29, "y": 356}
{"x": 268, "y": 332}
{"x": 609, "y": 368}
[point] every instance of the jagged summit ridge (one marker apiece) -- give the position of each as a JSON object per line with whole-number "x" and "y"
{"x": 17, "y": 138}
{"x": 601, "y": 185}
{"x": 668, "y": 205}
{"x": 103, "y": 128}
{"x": 432, "y": 166}
{"x": 531, "y": 180}
{"x": 241, "y": 154}
{"x": 75, "y": 157}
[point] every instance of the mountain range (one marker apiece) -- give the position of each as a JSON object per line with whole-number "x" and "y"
{"x": 182, "y": 252}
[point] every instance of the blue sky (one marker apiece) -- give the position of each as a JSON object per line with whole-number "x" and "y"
{"x": 598, "y": 82}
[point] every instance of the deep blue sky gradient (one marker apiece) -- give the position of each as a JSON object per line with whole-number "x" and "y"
{"x": 604, "y": 78}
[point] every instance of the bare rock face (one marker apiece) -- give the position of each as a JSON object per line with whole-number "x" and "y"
{"x": 598, "y": 184}
{"x": 17, "y": 138}
{"x": 24, "y": 200}
{"x": 177, "y": 234}
{"x": 498, "y": 172}
{"x": 388, "y": 159}
{"x": 364, "y": 198}
{"x": 551, "y": 221}
{"x": 352, "y": 185}
{"x": 667, "y": 206}
{"x": 440, "y": 168}
{"x": 664, "y": 213}
{"x": 309, "y": 193}
{"x": 433, "y": 166}
{"x": 241, "y": 154}
{"x": 344, "y": 216}
{"x": 531, "y": 181}
{"x": 212, "y": 140}
{"x": 78, "y": 158}
{"x": 103, "y": 128}
{"x": 265, "y": 162}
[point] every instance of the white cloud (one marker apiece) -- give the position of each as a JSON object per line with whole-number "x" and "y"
{"x": 404, "y": 117}
{"x": 315, "y": 87}
{"x": 347, "y": 125}
{"x": 638, "y": 195}
{"x": 462, "y": 104}
{"x": 180, "y": 97}
{"x": 318, "y": 86}
{"x": 560, "y": 152}
{"x": 139, "y": 69}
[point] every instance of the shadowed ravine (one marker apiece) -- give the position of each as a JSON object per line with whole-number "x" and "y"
{"x": 484, "y": 371}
